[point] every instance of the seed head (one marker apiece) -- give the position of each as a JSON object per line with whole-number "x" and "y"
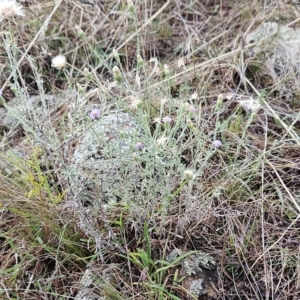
{"x": 188, "y": 174}
{"x": 10, "y": 8}
{"x": 194, "y": 96}
{"x": 58, "y": 62}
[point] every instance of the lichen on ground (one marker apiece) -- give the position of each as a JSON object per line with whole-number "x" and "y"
{"x": 194, "y": 263}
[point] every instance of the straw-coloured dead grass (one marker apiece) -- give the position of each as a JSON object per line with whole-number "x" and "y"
{"x": 215, "y": 152}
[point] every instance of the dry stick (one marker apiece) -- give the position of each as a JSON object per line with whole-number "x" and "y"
{"x": 136, "y": 33}
{"x": 33, "y": 41}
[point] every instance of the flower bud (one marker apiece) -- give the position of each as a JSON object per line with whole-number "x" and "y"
{"x": 219, "y": 102}
{"x": 87, "y": 73}
{"x": 80, "y": 88}
{"x": 189, "y": 123}
{"x": 117, "y": 74}
{"x": 167, "y": 70}
{"x": 80, "y": 32}
{"x": 116, "y": 55}
{"x": 140, "y": 61}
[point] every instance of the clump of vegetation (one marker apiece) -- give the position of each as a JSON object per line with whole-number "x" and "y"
{"x": 188, "y": 148}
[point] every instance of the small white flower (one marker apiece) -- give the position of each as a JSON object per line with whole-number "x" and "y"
{"x": 58, "y": 62}
{"x": 10, "y": 8}
{"x": 157, "y": 120}
{"x": 194, "y": 96}
{"x": 229, "y": 96}
{"x": 134, "y": 102}
{"x": 181, "y": 62}
{"x": 161, "y": 141}
{"x": 250, "y": 104}
{"x": 163, "y": 101}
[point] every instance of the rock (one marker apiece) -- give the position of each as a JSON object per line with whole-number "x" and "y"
{"x": 199, "y": 272}
{"x": 86, "y": 293}
{"x": 279, "y": 43}
{"x": 30, "y": 110}
{"x": 103, "y": 169}
{"x": 276, "y": 54}
{"x": 99, "y": 282}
